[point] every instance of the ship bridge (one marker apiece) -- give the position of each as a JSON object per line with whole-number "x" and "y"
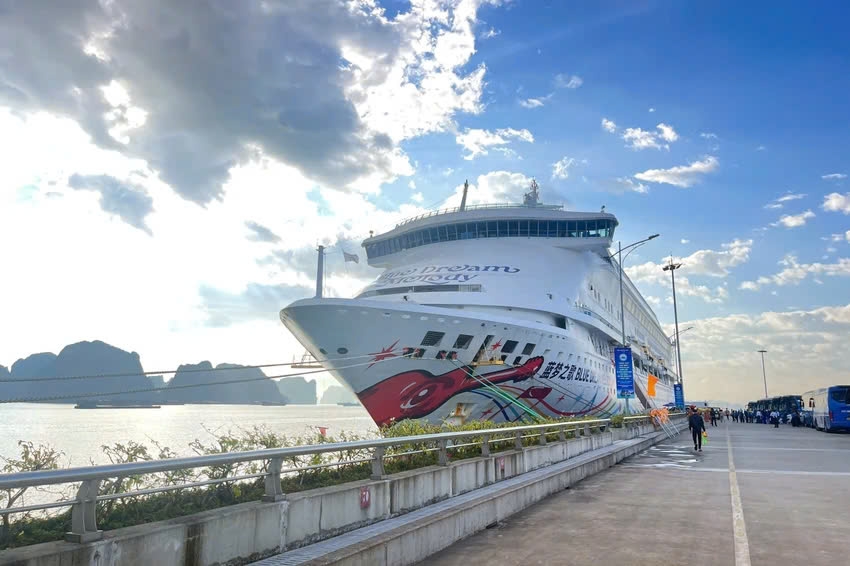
{"x": 585, "y": 229}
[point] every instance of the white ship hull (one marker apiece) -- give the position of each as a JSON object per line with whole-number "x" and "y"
{"x": 363, "y": 344}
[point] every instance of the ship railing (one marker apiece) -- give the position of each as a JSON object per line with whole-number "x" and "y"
{"x": 477, "y": 207}
{"x": 275, "y": 463}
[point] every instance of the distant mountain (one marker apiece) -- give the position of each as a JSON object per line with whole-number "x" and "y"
{"x": 336, "y": 394}
{"x": 297, "y": 390}
{"x": 255, "y": 391}
{"x": 99, "y": 358}
{"x": 81, "y": 359}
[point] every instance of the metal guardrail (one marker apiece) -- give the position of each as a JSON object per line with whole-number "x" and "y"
{"x": 477, "y": 207}
{"x": 84, "y": 505}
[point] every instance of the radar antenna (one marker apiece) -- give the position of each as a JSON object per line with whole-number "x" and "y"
{"x": 532, "y": 197}
{"x": 463, "y": 199}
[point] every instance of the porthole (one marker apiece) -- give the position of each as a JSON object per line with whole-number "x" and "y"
{"x": 323, "y": 351}
{"x": 342, "y": 351}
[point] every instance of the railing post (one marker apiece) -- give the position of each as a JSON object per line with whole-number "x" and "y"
{"x": 274, "y": 492}
{"x": 84, "y": 514}
{"x": 378, "y": 463}
{"x": 485, "y": 445}
{"x": 518, "y": 440}
{"x": 586, "y": 430}
{"x": 562, "y": 433}
{"x": 442, "y": 453}
{"x": 542, "y": 437}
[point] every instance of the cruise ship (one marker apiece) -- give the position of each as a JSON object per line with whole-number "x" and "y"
{"x": 499, "y": 312}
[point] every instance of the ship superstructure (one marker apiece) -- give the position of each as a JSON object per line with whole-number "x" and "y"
{"x": 489, "y": 312}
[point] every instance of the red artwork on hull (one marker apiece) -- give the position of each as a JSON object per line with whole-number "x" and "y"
{"x": 417, "y": 393}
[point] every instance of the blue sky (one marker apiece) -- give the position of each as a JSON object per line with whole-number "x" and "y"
{"x": 184, "y": 179}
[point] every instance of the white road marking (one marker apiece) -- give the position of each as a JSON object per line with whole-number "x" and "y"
{"x": 767, "y": 448}
{"x": 739, "y": 527}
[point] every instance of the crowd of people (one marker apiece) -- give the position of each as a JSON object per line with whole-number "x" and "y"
{"x": 714, "y": 415}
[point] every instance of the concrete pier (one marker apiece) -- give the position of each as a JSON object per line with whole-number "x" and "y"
{"x": 756, "y": 495}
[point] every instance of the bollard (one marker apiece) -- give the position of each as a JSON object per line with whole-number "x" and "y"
{"x": 84, "y": 514}
{"x": 274, "y": 492}
{"x": 378, "y": 463}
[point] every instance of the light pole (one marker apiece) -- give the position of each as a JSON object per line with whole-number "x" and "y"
{"x": 620, "y": 249}
{"x": 672, "y": 267}
{"x": 763, "y": 374}
{"x": 675, "y": 338}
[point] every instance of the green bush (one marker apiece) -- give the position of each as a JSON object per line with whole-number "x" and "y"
{"x": 300, "y": 473}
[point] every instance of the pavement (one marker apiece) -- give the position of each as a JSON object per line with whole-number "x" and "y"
{"x": 755, "y": 496}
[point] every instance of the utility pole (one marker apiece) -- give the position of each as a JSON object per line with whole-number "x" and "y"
{"x": 763, "y": 374}
{"x": 320, "y": 271}
{"x": 672, "y": 267}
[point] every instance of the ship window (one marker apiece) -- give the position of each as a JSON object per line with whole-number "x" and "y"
{"x": 517, "y": 360}
{"x": 492, "y": 230}
{"x": 432, "y": 338}
{"x": 509, "y": 346}
{"x": 528, "y": 349}
{"x": 441, "y": 355}
{"x": 463, "y": 341}
{"x": 523, "y": 228}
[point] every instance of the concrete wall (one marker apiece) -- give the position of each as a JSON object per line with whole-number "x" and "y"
{"x": 243, "y": 533}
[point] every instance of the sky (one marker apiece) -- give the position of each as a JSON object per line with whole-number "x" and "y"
{"x": 168, "y": 168}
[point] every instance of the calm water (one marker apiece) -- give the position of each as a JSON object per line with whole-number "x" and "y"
{"x": 79, "y": 433}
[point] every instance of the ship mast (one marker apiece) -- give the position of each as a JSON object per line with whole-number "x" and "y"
{"x": 463, "y": 199}
{"x": 532, "y": 197}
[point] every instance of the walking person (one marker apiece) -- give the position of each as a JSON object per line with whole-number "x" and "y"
{"x": 697, "y": 426}
{"x": 714, "y": 417}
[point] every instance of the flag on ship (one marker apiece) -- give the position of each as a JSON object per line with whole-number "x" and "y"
{"x": 351, "y": 257}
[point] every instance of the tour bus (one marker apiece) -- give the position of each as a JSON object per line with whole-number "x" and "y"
{"x": 830, "y": 407}
{"x": 785, "y": 405}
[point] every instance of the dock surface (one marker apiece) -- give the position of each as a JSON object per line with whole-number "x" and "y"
{"x": 756, "y": 495}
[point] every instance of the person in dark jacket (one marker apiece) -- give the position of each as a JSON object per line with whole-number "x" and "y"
{"x": 697, "y": 426}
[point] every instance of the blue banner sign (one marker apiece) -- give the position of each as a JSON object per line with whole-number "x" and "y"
{"x": 625, "y": 373}
{"x": 679, "y": 395}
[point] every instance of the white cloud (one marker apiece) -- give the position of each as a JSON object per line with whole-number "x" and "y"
{"x": 708, "y": 135}
{"x": 794, "y": 220}
{"x": 761, "y": 148}
{"x": 667, "y": 133}
{"x": 684, "y": 241}
{"x": 418, "y": 198}
{"x": 720, "y": 358}
{"x": 794, "y": 272}
{"x": 790, "y": 196}
{"x": 637, "y": 139}
{"x": 708, "y": 263}
{"x": 787, "y": 197}
{"x": 652, "y": 109}
{"x": 477, "y": 141}
{"x": 632, "y": 185}
{"x": 493, "y": 188}
{"x": 531, "y": 103}
{"x": 565, "y": 81}
{"x": 652, "y": 300}
{"x": 682, "y": 175}
{"x": 834, "y": 176}
{"x": 412, "y": 184}
{"x": 608, "y": 125}
{"x": 836, "y": 202}
{"x": 491, "y": 33}
{"x": 561, "y": 168}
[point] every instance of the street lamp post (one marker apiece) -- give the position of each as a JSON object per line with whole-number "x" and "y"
{"x": 620, "y": 249}
{"x": 763, "y": 373}
{"x": 674, "y": 338}
{"x": 672, "y": 267}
